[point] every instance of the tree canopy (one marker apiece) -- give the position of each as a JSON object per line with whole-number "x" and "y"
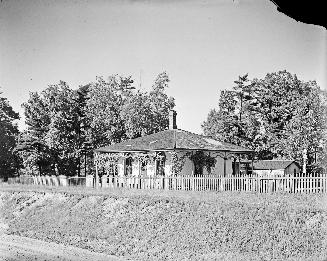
{"x": 279, "y": 116}
{"x": 65, "y": 125}
{"x": 8, "y": 136}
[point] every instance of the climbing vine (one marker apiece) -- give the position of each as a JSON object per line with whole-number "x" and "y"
{"x": 148, "y": 157}
{"x": 103, "y": 159}
{"x": 201, "y": 160}
{"x": 178, "y": 162}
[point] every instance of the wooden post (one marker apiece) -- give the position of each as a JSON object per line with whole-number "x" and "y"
{"x": 154, "y": 167}
{"x": 139, "y": 166}
{"x": 225, "y": 158}
{"x": 96, "y": 174}
{"x": 252, "y": 164}
{"x": 234, "y": 167}
{"x": 304, "y": 155}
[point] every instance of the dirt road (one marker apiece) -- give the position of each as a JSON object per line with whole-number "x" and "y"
{"x": 16, "y": 248}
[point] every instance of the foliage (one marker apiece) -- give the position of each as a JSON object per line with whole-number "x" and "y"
{"x": 82, "y": 127}
{"x": 34, "y": 154}
{"x": 161, "y": 104}
{"x": 8, "y": 135}
{"x": 147, "y": 113}
{"x": 278, "y": 116}
{"x": 103, "y": 109}
{"x": 178, "y": 161}
{"x": 65, "y": 125}
{"x": 137, "y": 115}
{"x": 53, "y": 132}
{"x": 201, "y": 160}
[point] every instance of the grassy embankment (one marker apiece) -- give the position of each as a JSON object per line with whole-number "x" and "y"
{"x": 159, "y": 225}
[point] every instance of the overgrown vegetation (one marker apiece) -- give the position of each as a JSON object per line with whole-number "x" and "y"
{"x": 159, "y": 225}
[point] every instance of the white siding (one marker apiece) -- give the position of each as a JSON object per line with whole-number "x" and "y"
{"x": 168, "y": 165}
{"x": 278, "y": 172}
{"x": 269, "y": 173}
{"x": 188, "y": 168}
{"x": 135, "y": 168}
{"x": 218, "y": 169}
{"x": 150, "y": 169}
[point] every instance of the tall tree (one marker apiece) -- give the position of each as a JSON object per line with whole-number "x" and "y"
{"x": 51, "y": 129}
{"x": 82, "y": 128}
{"x": 160, "y": 102}
{"x": 8, "y": 136}
{"x": 278, "y": 116}
{"x": 105, "y": 102}
{"x": 233, "y": 122}
{"x": 146, "y": 113}
{"x": 137, "y": 115}
{"x": 62, "y": 136}
{"x": 65, "y": 125}
{"x": 35, "y": 155}
{"x": 31, "y": 146}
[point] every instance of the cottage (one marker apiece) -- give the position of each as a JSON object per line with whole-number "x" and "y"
{"x": 276, "y": 168}
{"x": 169, "y": 153}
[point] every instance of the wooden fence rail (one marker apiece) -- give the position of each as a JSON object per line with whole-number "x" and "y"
{"x": 300, "y": 184}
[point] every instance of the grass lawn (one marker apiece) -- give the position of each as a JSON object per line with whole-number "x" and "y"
{"x": 171, "y": 225}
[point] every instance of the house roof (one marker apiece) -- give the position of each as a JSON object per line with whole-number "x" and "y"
{"x": 273, "y": 164}
{"x": 173, "y": 139}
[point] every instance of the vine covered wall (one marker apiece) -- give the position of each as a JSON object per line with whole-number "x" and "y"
{"x": 203, "y": 162}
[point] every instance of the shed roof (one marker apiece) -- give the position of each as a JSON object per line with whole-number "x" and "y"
{"x": 273, "y": 164}
{"x": 173, "y": 139}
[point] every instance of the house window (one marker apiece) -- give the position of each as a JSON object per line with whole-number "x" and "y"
{"x": 143, "y": 166}
{"x": 160, "y": 167}
{"x": 235, "y": 167}
{"x": 112, "y": 169}
{"x": 128, "y": 166}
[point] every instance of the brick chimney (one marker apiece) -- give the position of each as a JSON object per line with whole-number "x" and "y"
{"x": 172, "y": 119}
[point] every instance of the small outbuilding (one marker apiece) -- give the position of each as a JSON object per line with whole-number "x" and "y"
{"x": 276, "y": 168}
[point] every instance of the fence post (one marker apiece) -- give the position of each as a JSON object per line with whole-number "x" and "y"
{"x": 104, "y": 181}
{"x": 89, "y": 181}
{"x": 222, "y": 184}
{"x": 55, "y": 180}
{"x": 34, "y": 180}
{"x": 63, "y": 181}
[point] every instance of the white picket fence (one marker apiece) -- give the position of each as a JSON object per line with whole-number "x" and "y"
{"x": 251, "y": 184}
{"x": 300, "y": 184}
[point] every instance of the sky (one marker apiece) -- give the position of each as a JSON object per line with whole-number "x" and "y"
{"x": 203, "y": 46}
